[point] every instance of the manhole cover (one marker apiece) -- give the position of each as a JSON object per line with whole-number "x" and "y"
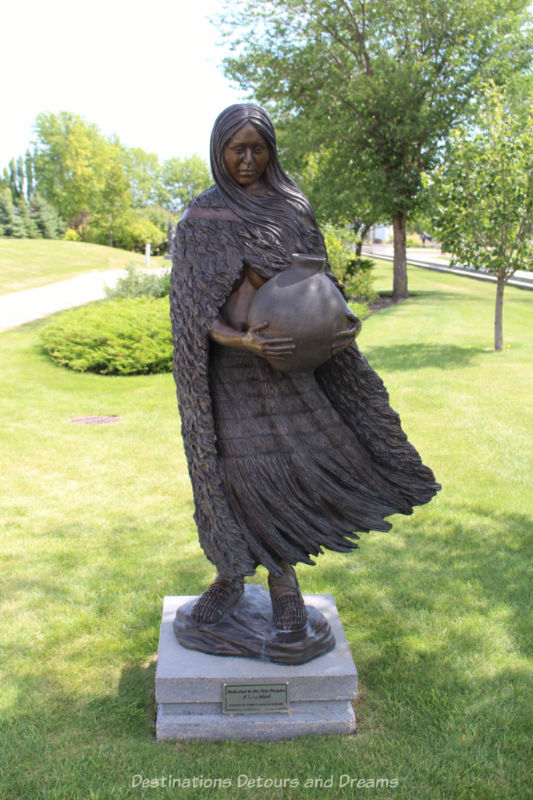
{"x": 99, "y": 420}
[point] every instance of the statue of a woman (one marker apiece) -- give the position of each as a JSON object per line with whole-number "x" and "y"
{"x": 281, "y": 465}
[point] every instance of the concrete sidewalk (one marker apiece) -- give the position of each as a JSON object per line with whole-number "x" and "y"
{"x": 29, "y": 304}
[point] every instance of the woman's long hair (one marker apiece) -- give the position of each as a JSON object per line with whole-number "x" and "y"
{"x": 266, "y": 210}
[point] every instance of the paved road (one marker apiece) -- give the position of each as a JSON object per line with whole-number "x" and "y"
{"x": 432, "y": 259}
{"x": 20, "y": 307}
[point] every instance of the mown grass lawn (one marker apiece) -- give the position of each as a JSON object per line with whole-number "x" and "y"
{"x": 97, "y": 528}
{"x": 26, "y": 263}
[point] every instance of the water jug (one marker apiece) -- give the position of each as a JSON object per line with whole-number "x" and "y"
{"x": 303, "y": 303}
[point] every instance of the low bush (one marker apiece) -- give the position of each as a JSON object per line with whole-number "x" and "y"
{"x": 112, "y": 337}
{"x": 359, "y": 264}
{"x": 354, "y": 272}
{"x": 139, "y": 283}
{"x": 359, "y": 286}
{"x": 71, "y": 235}
{"x": 339, "y": 246}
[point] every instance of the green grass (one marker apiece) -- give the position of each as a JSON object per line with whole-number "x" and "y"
{"x": 97, "y": 528}
{"x": 25, "y": 263}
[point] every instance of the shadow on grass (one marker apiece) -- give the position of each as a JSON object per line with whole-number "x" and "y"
{"x": 425, "y": 294}
{"x": 438, "y": 296}
{"x": 133, "y": 704}
{"x": 467, "y": 561}
{"x": 426, "y": 613}
{"x": 420, "y": 355}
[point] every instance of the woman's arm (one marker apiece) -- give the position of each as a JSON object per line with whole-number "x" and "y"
{"x": 251, "y": 339}
{"x": 231, "y": 326}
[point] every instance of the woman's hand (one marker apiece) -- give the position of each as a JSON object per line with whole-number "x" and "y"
{"x": 268, "y": 347}
{"x": 345, "y": 338}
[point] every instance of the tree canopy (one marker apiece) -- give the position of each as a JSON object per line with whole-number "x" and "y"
{"x": 69, "y": 163}
{"x": 104, "y": 191}
{"x": 181, "y": 180}
{"x": 373, "y": 88}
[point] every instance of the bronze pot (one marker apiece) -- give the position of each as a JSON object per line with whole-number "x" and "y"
{"x": 303, "y": 303}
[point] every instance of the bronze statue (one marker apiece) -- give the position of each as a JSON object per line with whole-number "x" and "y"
{"x": 282, "y": 464}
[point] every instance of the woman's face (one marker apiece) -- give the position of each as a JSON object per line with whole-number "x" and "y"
{"x": 246, "y": 156}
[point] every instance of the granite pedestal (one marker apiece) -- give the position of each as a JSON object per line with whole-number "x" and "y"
{"x": 190, "y": 687}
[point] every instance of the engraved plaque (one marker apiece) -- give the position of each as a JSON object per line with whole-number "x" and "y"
{"x": 253, "y": 698}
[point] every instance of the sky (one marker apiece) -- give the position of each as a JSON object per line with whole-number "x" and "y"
{"x": 148, "y": 72}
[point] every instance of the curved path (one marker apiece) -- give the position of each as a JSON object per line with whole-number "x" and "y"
{"x": 29, "y": 304}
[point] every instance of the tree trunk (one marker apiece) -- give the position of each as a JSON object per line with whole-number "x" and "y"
{"x": 360, "y": 230}
{"x": 498, "y": 313}
{"x": 110, "y": 237}
{"x": 399, "y": 286}
{"x": 359, "y": 246}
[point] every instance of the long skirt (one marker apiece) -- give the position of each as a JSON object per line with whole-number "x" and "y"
{"x": 296, "y": 476}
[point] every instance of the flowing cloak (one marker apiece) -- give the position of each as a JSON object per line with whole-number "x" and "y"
{"x": 299, "y": 503}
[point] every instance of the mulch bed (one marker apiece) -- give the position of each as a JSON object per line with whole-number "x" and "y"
{"x": 381, "y": 302}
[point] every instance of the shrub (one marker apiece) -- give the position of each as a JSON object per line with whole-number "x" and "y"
{"x": 158, "y": 215}
{"x": 112, "y": 337}
{"x": 137, "y": 232}
{"x": 338, "y": 246}
{"x": 359, "y": 286}
{"x": 139, "y": 283}
{"x": 71, "y": 235}
{"x": 130, "y": 232}
{"x": 359, "y": 264}
{"x": 351, "y": 270}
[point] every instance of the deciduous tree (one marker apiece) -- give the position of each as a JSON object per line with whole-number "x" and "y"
{"x": 182, "y": 180}
{"x": 484, "y": 196}
{"x": 144, "y": 175}
{"x": 69, "y": 164}
{"x": 379, "y": 84}
{"x": 114, "y": 197}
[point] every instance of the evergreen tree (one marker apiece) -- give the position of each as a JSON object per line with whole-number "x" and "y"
{"x": 30, "y": 178}
{"x": 10, "y": 220}
{"x": 46, "y": 218}
{"x": 16, "y": 178}
{"x": 31, "y": 229}
{"x": 20, "y": 178}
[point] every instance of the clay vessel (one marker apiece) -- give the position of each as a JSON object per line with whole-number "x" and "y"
{"x": 303, "y": 303}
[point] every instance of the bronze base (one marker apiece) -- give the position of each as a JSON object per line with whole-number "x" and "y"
{"x": 248, "y": 631}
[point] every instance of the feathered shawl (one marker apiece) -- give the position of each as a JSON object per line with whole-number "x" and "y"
{"x": 211, "y": 248}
